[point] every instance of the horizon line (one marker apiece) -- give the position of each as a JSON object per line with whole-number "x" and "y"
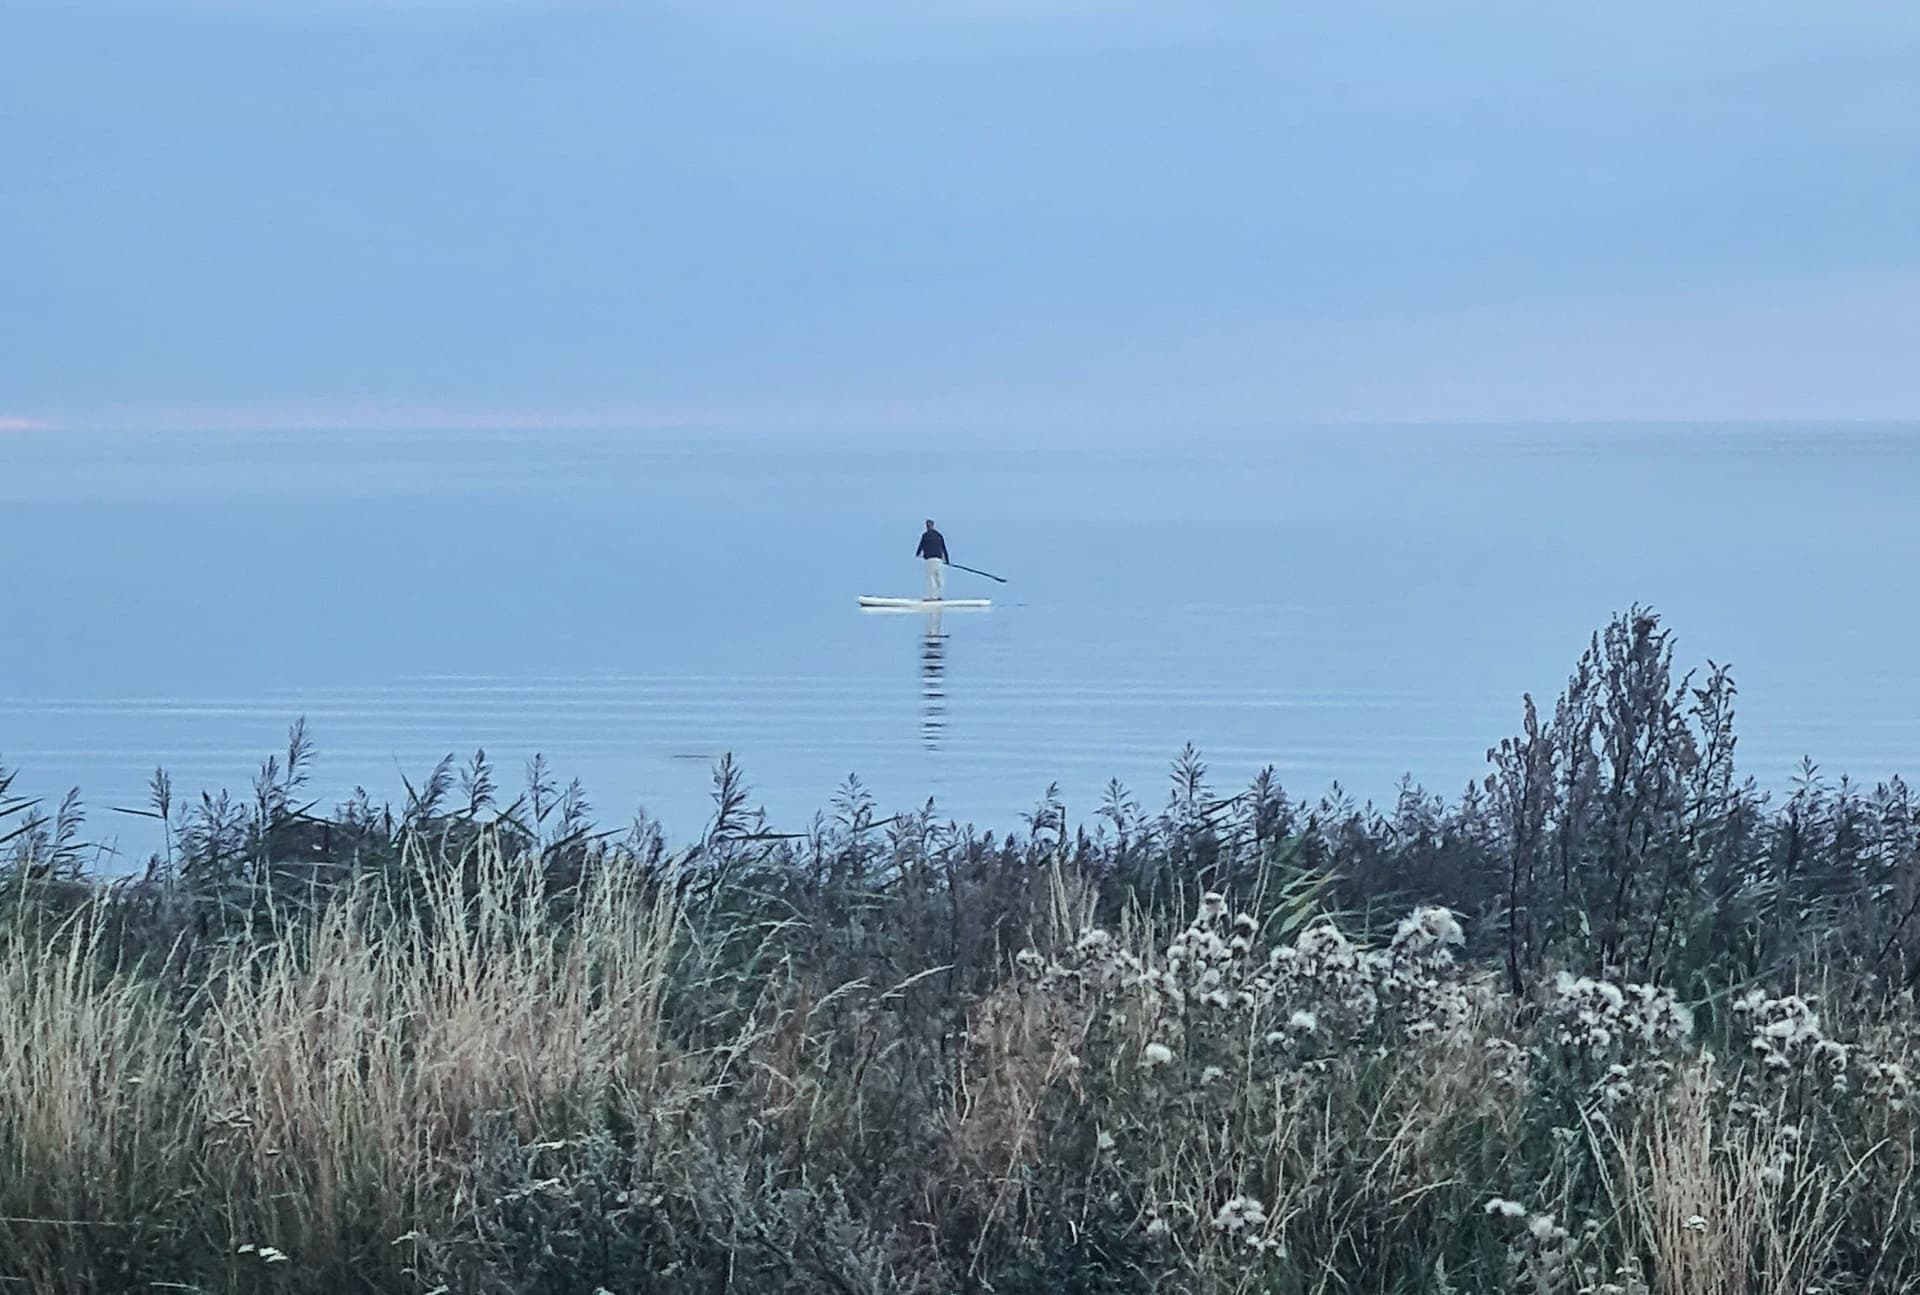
{"x": 442, "y": 419}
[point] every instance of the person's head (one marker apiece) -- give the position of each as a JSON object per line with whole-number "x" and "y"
{"x": 929, "y": 523}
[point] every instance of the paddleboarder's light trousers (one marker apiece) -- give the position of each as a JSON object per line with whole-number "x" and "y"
{"x": 936, "y": 578}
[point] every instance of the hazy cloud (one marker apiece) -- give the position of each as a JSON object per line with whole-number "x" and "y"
{"x": 715, "y": 210}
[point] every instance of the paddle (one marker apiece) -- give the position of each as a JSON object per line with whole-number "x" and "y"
{"x": 988, "y": 574}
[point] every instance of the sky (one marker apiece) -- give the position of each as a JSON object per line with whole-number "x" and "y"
{"x": 949, "y": 213}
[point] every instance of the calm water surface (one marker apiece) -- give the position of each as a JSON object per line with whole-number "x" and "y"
{"x": 1349, "y": 604}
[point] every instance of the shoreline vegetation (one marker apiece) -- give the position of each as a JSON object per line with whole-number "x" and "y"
{"x": 1611, "y": 1022}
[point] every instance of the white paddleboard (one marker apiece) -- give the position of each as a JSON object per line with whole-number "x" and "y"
{"x": 922, "y": 604}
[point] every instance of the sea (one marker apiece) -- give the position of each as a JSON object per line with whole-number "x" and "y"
{"x": 1357, "y": 607}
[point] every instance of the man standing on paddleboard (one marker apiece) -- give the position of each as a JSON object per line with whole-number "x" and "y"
{"x": 933, "y": 547}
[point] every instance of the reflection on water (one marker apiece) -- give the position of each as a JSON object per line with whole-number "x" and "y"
{"x": 933, "y": 669}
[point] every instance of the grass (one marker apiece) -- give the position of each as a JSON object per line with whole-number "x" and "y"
{"x": 1242, "y": 1044}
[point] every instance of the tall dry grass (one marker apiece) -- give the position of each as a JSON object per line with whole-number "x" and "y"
{"x": 321, "y": 1097}
{"x": 95, "y": 1107}
{"x": 1723, "y": 1204}
{"x": 343, "y": 1070}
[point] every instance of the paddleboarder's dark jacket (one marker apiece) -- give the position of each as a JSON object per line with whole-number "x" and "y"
{"x": 932, "y": 545}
